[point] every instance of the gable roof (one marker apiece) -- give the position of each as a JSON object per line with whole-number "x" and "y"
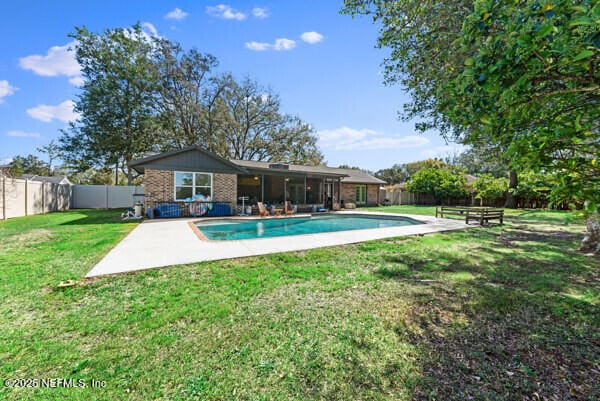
{"x": 52, "y": 179}
{"x": 355, "y": 176}
{"x": 182, "y": 159}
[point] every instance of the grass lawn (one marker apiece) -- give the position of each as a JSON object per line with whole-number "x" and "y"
{"x": 503, "y": 313}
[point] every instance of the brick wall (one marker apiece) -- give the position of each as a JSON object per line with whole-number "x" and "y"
{"x": 225, "y": 188}
{"x": 158, "y": 185}
{"x": 372, "y": 192}
{"x": 349, "y": 193}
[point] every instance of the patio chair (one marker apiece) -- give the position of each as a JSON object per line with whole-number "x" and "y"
{"x": 288, "y": 208}
{"x": 262, "y": 210}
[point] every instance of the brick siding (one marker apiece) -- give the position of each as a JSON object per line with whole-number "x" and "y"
{"x": 349, "y": 193}
{"x": 159, "y": 185}
{"x": 225, "y": 188}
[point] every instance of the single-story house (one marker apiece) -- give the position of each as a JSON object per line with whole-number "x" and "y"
{"x": 55, "y": 179}
{"x": 177, "y": 175}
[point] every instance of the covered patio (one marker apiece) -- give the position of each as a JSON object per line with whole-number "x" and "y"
{"x": 307, "y": 191}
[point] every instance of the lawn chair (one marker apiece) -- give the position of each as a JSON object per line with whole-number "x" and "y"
{"x": 288, "y": 208}
{"x": 262, "y": 210}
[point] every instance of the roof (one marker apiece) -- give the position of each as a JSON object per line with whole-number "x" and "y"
{"x": 470, "y": 178}
{"x": 59, "y": 179}
{"x": 168, "y": 160}
{"x": 355, "y": 176}
{"x": 290, "y": 168}
{"x": 176, "y": 159}
{"x": 347, "y": 175}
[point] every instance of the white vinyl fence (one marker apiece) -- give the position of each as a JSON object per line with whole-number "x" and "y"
{"x": 105, "y": 196}
{"x": 398, "y": 197}
{"x": 20, "y": 197}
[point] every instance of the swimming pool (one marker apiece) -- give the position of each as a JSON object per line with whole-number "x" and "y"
{"x": 233, "y": 229}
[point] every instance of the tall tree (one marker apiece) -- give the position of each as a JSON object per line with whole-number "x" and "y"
{"x": 420, "y": 36}
{"x": 534, "y": 83}
{"x": 189, "y": 96}
{"x": 117, "y": 100}
{"x": 254, "y": 128}
{"x": 52, "y": 150}
{"x": 393, "y": 175}
{"x": 29, "y": 164}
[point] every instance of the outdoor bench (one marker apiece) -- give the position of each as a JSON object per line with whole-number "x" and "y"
{"x": 481, "y": 214}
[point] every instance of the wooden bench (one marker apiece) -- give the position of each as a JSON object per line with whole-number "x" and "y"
{"x": 481, "y": 214}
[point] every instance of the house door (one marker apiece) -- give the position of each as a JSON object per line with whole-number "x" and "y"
{"x": 361, "y": 195}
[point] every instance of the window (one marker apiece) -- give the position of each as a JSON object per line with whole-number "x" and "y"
{"x": 190, "y": 184}
{"x": 361, "y": 194}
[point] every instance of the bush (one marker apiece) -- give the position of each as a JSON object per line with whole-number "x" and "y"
{"x": 441, "y": 183}
{"x": 490, "y": 188}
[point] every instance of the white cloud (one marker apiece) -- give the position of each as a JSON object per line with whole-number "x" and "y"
{"x": 59, "y": 60}
{"x": 151, "y": 29}
{"x": 225, "y": 11}
{"x": 77, "y": 81}
{"x": 258, "y": 46}
{"x": 284, "y": 44}
{"x": 345, "y": 138}
{"x": 63, "y": 112}
{"x": 260, "y": 12}
{"x": 280, "y": 44}
{"x": 6, "y": 89}
{"x": 177, "y": 14}
{"x": 311, "y": 37}
{"x": 443, "y": 151}
{"x": 23, "y": 134}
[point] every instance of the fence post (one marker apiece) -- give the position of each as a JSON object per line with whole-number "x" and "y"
{"x": 26, "y": 195}
{"x": 43, "y": 197}
{"x": 106, "y": 189}
{"x": 3, "y": 197}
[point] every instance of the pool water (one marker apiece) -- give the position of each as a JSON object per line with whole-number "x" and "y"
{"x": 267, "y": 228}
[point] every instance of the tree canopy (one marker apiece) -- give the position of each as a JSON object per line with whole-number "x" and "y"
{"x": 143, "y": 93}
{"x": 29, "y": 164}
{"x": 520, "y": 76}
{"x": 441, "y": 183}
{"x": 117, "y": 100}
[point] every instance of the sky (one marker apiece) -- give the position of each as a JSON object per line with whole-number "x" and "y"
{"x": 324, "y": 66}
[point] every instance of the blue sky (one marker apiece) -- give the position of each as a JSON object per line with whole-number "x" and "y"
{"x": 323, "y": 65}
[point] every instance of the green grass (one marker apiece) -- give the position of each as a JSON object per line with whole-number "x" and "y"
{"x": 498, "y": 313}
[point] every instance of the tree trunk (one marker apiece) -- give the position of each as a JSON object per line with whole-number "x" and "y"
{"x": 513, "y": 181}
{"x": 129, "y": 176}
{"x": 117, "y": 173}
{"x": 591, "y": 239}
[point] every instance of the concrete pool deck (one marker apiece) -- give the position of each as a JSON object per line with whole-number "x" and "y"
{"x": 160, "y": 243}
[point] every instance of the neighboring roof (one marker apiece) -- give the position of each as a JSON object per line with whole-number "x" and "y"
{"x": 180, "y": 159}
{"x": 59, "y": 179}
{"x": 470, "y": 178}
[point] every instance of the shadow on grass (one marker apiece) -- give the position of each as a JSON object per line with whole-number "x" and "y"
{"x": 96, "y": 216}
{"x": 514, "y": 316}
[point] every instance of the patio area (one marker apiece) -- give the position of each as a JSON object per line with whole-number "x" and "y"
{"x": 160, "y": 243}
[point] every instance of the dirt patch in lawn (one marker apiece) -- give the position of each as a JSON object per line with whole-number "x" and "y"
{"x": 26, "y": 239}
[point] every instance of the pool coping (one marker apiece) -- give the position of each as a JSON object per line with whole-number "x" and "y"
{"x": 169, "y": 242}
{"x": 203, "y": 236}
